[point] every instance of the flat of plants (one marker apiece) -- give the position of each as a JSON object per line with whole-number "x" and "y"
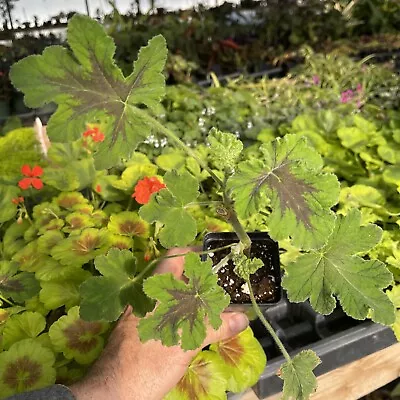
{"x": 288, "y": 188}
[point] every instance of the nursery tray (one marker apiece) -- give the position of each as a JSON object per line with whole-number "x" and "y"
{"x": 336, "y": 338}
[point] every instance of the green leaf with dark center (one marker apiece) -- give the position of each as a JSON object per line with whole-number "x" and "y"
{"x": 243, "y": 360}
{"x": 183, "y": 307}
{"x": 78, "y": 249}
{"x": 105, "y": 297}
{"x": 128, "y": 223}
{"x": 338, "y": 270}
{"x": 76, "y": 338}
{"x": 87, "y": 85}
{"x": 299, "y": 381}
{"x": 168, "y": 207}
{"x": 26, "y": 366}
{"x": 204, "y": 379}
{"x": 19, "y": 286}
{"x": 290, "y": 176}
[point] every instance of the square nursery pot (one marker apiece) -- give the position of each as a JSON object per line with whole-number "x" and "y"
{"x": 266, "y": 282}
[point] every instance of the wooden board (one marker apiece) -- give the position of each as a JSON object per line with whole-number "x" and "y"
{"x": 354, "y": 380}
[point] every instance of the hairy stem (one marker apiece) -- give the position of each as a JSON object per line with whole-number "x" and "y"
{"x": 267, "y": 325}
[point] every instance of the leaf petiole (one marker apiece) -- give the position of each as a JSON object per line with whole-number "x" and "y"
{"x": 267, "y": 325}
{"x": 6, "y": 301}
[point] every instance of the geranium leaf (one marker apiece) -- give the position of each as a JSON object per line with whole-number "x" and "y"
{"x": 184, "y": 306}
{"x": 20, "y": 286}
{"x": 78, "y": 249}
{"x": 104, "y": 186}
{"x": 225, "y": 149}
{"x": 299, "y": 381}
{"x": 23, "y": 326}
{"x": 7, "y": 207}
{"x": 138, "y": 167}
{"x": 336, "y": 269}
{"x": 168, "y": 207}
{"x": 48, "y": 240}
{"x": 69, "y": 200}
{"x": 78, "y": 339}
{"x": 105, "y": 297}
{"x": 63, "y": 291}
{"x": 87, "y": 85}
{"x": 204, "y": 379}
{"x": 13, "y": 238}
{"x": 244, "y": 267}
{"x": 128, "y": 223}
{"x": 290, "y": 176}
{"x": 243, "y": 360}
{"x": 26, "y": 366}
{"x": 77, "y": 222}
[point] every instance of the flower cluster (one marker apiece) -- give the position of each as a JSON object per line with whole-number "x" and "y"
{"x": 349, "y": 95}
{"x": 32, "y": 177}
{"x": 145, "y": 188}
{"x": 95, "y": 134}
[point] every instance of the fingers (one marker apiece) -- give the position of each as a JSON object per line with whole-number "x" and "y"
{"x": 174, "y": 264}
{"x": 232, "y": 324}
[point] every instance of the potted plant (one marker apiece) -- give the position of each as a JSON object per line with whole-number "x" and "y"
{"x": 95, "y": 217}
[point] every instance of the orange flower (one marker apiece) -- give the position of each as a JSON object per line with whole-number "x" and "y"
{"x": 95, "y": 134}
{"x": 145, "y": 188}
{"x": 32, "y": 177}
{"x": 98, "y": 188}
{"x": 17, "y": 200}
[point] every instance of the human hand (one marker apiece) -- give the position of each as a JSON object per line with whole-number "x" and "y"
{"x": 131, "y": 370}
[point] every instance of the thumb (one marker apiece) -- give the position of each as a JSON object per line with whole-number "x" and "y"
{"x": 232, "y": 324}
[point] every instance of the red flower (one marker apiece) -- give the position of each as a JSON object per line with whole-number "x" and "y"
{"x": 17, "y": 200}
{"x": 145, "y": 188}
{"x": 95, "y": 134}
{"x": 98, "y": 188}
{"x": 33, "y": 177}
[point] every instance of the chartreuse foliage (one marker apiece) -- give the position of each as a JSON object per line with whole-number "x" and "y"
{"x": 243, "y": 360}
{"x": 204, "y": 379}
{"x": 78, "y": 339}
{"x": 337, "y": 269}
{"x": 26, "y": 366}
{"x": 87, "y": 85}
{"x": 77, "y": 252}
{"x": 183, "y": 307}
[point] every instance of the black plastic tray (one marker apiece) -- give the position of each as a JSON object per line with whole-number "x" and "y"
{"x": 336, "y": 338}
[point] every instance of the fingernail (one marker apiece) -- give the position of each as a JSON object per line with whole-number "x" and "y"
{"x": 238, "y": 323}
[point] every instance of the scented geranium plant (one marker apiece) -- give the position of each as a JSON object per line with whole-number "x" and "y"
{"x": 83, "y": 231}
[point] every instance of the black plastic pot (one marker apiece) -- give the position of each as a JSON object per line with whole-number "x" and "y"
{"x": 266, "y": 282}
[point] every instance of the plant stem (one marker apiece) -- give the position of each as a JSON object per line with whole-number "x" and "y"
{"x": 6, "y": 301}
{"x": 233, "y": 219}
{"x": 171, "y": 135}
{"x": 267, "y": 325}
